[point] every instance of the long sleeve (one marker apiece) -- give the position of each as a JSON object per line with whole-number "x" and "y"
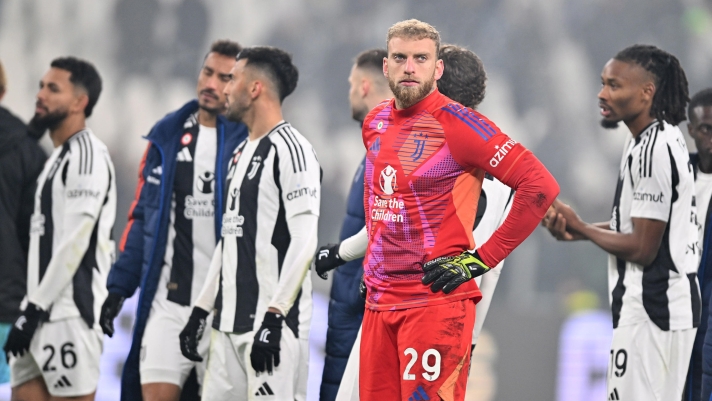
{"x": 206, "y": 298}
{"x": 125, "y": 274}
{"x": 303, "y": 233}
{"x": 355, "y": 246}
{"x": 476, "y": 143}
{"x": 85, "y": 192}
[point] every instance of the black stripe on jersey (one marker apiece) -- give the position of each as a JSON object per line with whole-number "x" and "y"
{"x": 84, "y": 153}
{"x": 218, "y": 297}
{"x": 230, "y": 172}
{"x": 619, "y": 289}
{"x": 294, "y": 165}
{"x": 82, "y": 280}
{"x": 91, "y": 155}
{"x": 247, "y": 285}
{"x": 181, "y": 280}
{"x": 656, "y": 275}
{"x": 655, "y": 284}
{"x": 642, "y": 158}
{"x": 300, "y": 151}
{"x": 618, "y": 292}
{"x": 47, "y": 238}
{"x": 653, "y": 139}
{"x": 695, "y": 299}
{"x": 281, "y": 240}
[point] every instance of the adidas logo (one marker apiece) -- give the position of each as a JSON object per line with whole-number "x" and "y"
{"x": 419, "y": 395}
{"x": 184, "y": 155}
{"x": 62, "y": 382}
{"x": 158, "y": 170}
{"x": 614, "y": 395}
{"x": 264, "y": 390}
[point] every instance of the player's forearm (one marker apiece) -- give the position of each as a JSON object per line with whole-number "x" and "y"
{"x": 206, "y": 298}
{"x": 536, "y": 190}
{"x": 354, "y": 247}
{"x": 65, "y": 260}
{"x": 303, "y": 233}
{"x": 630, "y": 247}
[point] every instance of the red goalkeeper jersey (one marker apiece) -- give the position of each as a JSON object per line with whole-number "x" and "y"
{"x": 424, "y": 171}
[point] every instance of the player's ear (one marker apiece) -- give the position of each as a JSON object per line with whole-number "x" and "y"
{"x": 256, "y": 87}
{"x": 365, "y": 87}
{"x": 648, "y": 91}
{"x": 439, "y": 68}
{"x": 385, "y": 67}
{"x": 80, "y": 102}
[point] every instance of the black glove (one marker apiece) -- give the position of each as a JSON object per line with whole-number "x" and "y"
{"x": 192, "y": 333}
{"x": 109, "y": 310}
{"x": 18, "y": 341}
{"x": 362, "y": 288}
{"x": 265, "y": 348}
{"x": 448, "y": 272}
{"x": 327, "y": 258}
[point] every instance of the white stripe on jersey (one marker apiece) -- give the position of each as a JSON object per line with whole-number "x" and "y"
{"x": 78, "y": 180}
{"x": 269, "y": 181}
{"x": 656, "y": 182}
{"x": 196, "y": 225}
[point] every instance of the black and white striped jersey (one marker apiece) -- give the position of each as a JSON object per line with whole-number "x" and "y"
{"x": 270, "y": 181}
{"x": 71, "y": 245}
{"x": 656, "y": 182}
{"x": 191, "y": 231}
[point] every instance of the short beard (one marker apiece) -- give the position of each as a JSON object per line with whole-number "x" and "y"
{"x": 50, "y": 121}
{"x": 408, "y": 96}
{"x": 235, "y": 113}
{"x": 609, "y": 124}
{"x": 359, "y": 114}
{"x": 211, "y": 110}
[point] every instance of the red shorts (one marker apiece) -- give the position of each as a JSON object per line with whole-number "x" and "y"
{"x": 416, "y": 354}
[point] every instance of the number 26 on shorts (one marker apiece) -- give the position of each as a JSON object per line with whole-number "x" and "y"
{"x": 432, "y": 371}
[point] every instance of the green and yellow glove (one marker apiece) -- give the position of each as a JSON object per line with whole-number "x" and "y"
{"x": 448, "y": 272}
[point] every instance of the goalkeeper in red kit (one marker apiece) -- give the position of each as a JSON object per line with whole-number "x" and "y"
{"x": 427, "y": 156}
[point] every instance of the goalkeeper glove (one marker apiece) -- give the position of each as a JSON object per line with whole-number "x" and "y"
{"x": 265, "y": 348}
{"x": 448, "y": 272}
{"x": 109, "y": 310}
{"x": 327, "y": 258}
{"x": 18, "y": 341}
{"x": 192, "y": 333}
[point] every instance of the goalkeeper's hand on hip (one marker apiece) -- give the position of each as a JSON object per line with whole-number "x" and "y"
{"x": 447, "y": 272}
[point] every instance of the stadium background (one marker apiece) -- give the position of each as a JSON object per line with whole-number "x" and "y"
{"x": 543, "y": 59}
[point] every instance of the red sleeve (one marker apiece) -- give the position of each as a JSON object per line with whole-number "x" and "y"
{"x": 475, "y": 142}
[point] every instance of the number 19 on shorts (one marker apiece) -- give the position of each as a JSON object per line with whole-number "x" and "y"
{"x": 430, "y": 361}
{"x": 619, "y": 363}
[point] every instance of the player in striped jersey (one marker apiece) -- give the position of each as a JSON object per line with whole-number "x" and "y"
{"x": 172, "y": 231}
{"x": 699, "y": 114}
{"x": 56, "y": 343}
{"x": 652, "y": 237}
{"x": 258, "y": 279}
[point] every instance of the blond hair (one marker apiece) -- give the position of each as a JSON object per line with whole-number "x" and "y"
{"x": 414, "y": 29}
{"x": 3, "y": 80}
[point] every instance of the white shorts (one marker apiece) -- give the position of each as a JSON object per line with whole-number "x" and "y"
{"x": 230, "y": 376}
{"x": 648, "y": 364}
{"x": 348, "y": 389}
{"x": 161, "y": 360}
{"x": 66, "y": 354}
